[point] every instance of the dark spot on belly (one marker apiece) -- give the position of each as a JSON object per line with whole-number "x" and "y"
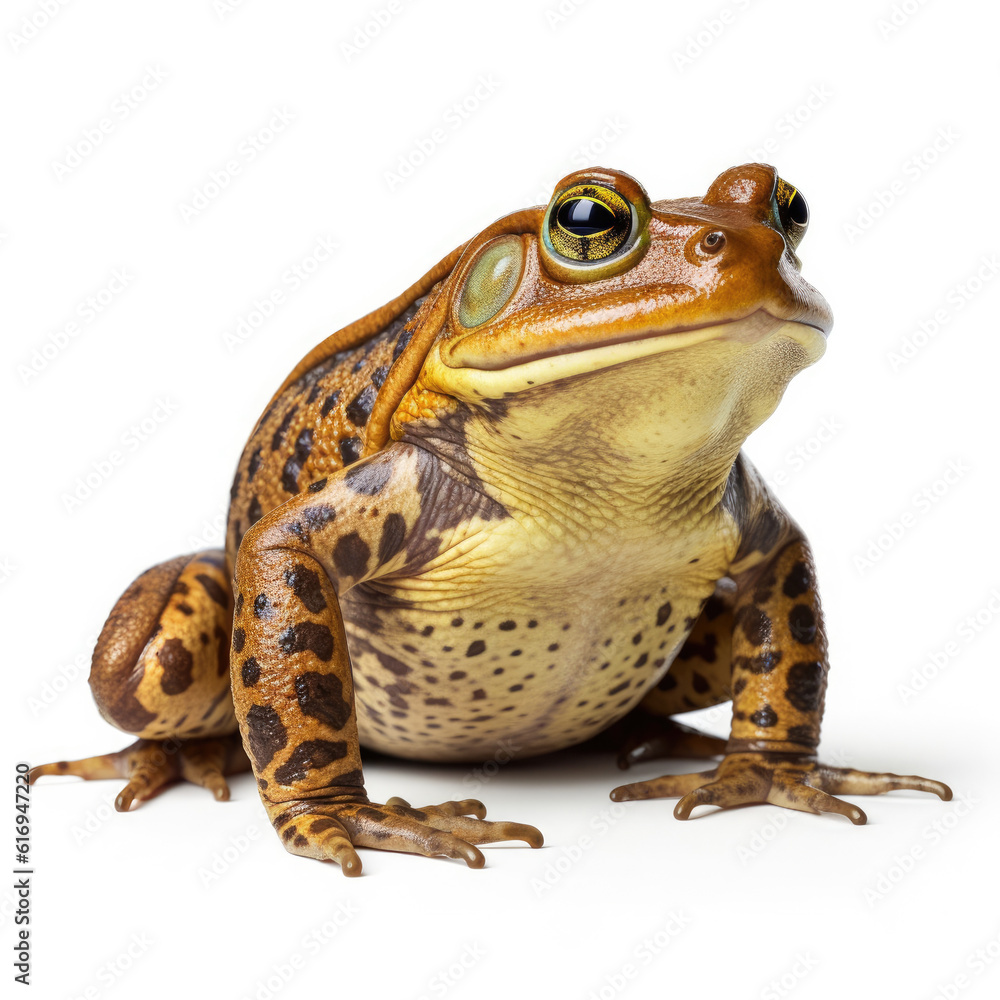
{"x": 279, "y": 434}
{"x": 532, "y": 623}
{"x": 663, "y": 613}
{"x": 266, "y": 734}
{"x": 350, "y": 450}
{"x": 764, "y": 717}
{"x": 262, "y": 607}
{"x": 359, "y": 409}
{"x": 498, "y": 671}
{"x": 177, "y": 663}
{"x": 306, "y": 586}
{"x": 553, "y": 647}
{"x": 507, "y": 626}
{"x": 393, "y": 665}
{"x": 250, "y": 671}
{"x": 636, "y": 639}
{"x": 351, "y": 555}
{"x": 475, "y": 648}
{"x": 457, "y": 622}
{"x": 307, "y": 636}
{"x": 310, "y": 756}
{"x": 396, "y": 692}
{"x": 427, "y": 630}
{"x": 322, "y": 697}
{"x": 641, "y": 662}
{"x": 329, "y": 403}
{"x": 239, "y": 639}
{"x": 478, "y": 695}
{"x": 438, "y": 701}
{"x": 516, "y": 687}
{"x": 213, "y": 590}
{"x": 619, "y": 687}
{"x": 802, "y": 624}
{"x": 805, "y": 685}
{"x": 798, "y": 581}
{"x": 315, "y": 487}
{"x": 393, "y": 535}
{"x": 185, "y": 609}
{"x": 515, "y": 652}
{"x": 457, "y": 675}
{"x": 755, "y": 624}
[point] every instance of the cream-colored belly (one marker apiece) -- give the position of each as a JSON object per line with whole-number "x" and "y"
{"x": 518, "y": 648}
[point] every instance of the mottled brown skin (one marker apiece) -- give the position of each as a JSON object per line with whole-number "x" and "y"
{"x": 509, "y": 506}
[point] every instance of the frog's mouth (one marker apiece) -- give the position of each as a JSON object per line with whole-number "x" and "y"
{"x": 490, "y": 377}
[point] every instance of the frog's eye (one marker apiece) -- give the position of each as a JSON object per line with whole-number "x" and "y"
{"x": 592, "y": 231}
{"x": 793, "y": 212}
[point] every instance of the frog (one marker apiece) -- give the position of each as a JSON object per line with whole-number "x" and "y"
{"x": 509, "y": 508}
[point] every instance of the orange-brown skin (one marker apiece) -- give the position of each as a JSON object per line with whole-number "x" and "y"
{"x": 511, "y": 503}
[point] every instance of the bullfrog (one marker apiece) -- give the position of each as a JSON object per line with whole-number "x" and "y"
{"x": 510, "y": 507}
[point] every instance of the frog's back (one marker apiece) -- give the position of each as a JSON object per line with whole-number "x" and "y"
{"x": 315, "y": 426}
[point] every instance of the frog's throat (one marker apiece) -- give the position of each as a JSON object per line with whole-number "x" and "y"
{"x": 544, "y": 368}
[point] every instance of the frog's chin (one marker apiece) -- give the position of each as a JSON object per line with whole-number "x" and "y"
{"x": 494, "y": 383}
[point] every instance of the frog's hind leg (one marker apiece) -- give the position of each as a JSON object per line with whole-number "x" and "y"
{"x": 698, "y": 678}
{"x": 160, "y": 671}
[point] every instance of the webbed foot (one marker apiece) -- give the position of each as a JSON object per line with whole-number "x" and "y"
{"x": 330, "y": 830}
{"x": 150, "y": 765}
{"x": 795, "y": 781}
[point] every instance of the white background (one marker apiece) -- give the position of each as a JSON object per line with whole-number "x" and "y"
{"x": 764, "y": 902}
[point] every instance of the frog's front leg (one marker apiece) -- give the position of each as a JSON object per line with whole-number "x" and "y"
{"x": 779, "y": 671}
{"x": 291, "y": 670}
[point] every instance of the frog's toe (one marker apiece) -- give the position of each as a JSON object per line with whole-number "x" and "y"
{"x": 667, "y": 787}
{"x": 793, "y": 792}
{"x": 331, "y": 831}
{"x": 846, "y": 781}
{"x": 324, "y": 838}
{"x": 151, "y": 765}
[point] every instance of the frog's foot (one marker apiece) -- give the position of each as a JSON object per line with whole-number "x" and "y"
{"x": 795, "y": 781}
{"x": 149, "y": 765}
{"x": 330, "y": 830}
{"x": 653, "y": 737}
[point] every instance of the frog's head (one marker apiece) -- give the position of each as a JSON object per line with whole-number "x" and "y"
{"x": 683, "y": 319}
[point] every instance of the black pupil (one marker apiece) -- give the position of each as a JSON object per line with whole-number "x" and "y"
{"x": 583, "y": 217}
{"x": 798, "y": 211}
